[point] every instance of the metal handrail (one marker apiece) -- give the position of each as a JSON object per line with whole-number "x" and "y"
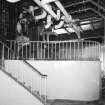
{"x": 43, "y": 75}
{"x": 5, "y": 46}
{"x": 37, "y": 76}
{"x": 58, "y": 50}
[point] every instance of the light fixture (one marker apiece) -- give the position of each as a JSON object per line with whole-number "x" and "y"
{"x": 12, "y": 1}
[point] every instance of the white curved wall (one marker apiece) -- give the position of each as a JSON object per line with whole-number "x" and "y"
{"x": 73, "y": 80}
{"x": 13, "y": 94}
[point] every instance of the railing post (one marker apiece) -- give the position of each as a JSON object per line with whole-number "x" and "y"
{"x": 61, "y": 50}
{"x": 74, "y": 52}
{"x": 55, "y": 51}
{"x": 40, "y": 86}
{"x": 78, "y": 55}
{"x": 3, "y": 52}
{"x": 70, "y": 51}
{"x": 2, "y": 62}
{"x": 45, "y": 89}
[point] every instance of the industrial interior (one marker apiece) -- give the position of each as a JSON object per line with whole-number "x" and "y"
{"x": 52, "y": 52}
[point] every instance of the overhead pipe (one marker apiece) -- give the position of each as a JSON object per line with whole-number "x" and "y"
{"x": 58, "y": 14}
{"x": 60, "y": 6}
{"x": 38, "y": 2}
{"x": 77, "y": 30}
{"x": 49, "y": 22}
{"x": 47, "y": 1}
{"x": 98, "y": 5}
{"x": 68, "y": 19}
{"x": 81, "y": 10}
{"x": 12, "y": 1}
{"x": 31, "y": 9}
{"x": 77, "y": 3}
{"x": 97, "y": 12}
{"x": 43, "y": 15}
{"x": 19, "y": 27}
{"x": 86, "y": 1}
{"x": 61, "y": 23}
{"x": 47, "y": 7}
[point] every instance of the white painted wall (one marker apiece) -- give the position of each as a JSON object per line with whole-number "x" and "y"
{"x": 13, "y": 94}
{"x": 73, "y": 80}
{"x": 24, "y": 73}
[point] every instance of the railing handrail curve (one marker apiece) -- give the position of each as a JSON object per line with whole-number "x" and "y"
{"x": 34, "y": 69}
{"x": 43, "y": 75}
{"x": 61, "y": 41}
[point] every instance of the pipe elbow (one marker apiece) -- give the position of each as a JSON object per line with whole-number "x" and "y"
{"x": 49, "y": 22}
{"x": 58, "y": 14}
{"x": 61, "y": 23}
{"x": 47, "y": 1}
{"x": 43, "y": 15}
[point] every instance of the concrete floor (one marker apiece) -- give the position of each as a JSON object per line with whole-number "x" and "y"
{"x": 68, "y": 102}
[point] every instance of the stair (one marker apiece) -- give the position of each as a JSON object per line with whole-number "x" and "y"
{"x": 25, "y": 77}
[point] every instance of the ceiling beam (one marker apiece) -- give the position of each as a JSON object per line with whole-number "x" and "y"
{"x": 77, "y": 3}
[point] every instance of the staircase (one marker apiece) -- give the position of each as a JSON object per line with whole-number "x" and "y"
{"x": 30, "y": 78}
